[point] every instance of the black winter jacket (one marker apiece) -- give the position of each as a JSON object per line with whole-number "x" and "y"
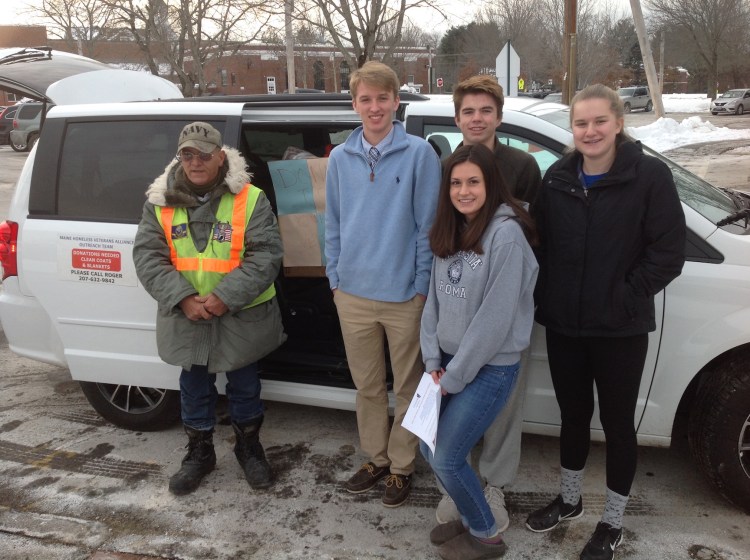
{"x": 605, "y": 253}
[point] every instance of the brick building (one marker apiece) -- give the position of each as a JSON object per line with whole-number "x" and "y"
{"x": 20, "y": 36}
{"x": 249, "y": 71}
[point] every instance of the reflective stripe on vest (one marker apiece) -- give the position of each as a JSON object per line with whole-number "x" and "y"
{"x": 204, "y": 270}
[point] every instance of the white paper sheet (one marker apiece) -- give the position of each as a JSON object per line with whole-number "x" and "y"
{"x": 421, "y": 417}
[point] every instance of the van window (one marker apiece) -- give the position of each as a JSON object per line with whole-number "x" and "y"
{"x": 29, "y": 111}
{"x": 446, "y": 138}
{"x": 104, "y": 176}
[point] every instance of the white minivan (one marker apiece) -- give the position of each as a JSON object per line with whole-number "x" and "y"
{"x": 70, "y": 296}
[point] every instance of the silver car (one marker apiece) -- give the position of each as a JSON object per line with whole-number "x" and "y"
{"x": 636, "y": 97}
{"x": 26, "y": 124}
{"x": 733, "y": 101}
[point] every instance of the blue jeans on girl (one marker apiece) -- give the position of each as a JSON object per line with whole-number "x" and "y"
{"x": 464, "y": 417}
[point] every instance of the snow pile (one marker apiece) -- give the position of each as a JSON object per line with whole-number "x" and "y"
{"x": 686, "y": 103}
{"x": 666, "y": 133}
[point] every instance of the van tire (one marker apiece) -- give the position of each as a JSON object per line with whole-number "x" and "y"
{"x": 649, "y": 106}
{"x": 142, "y": 409}
{"x": 626, "y": 107}
{"x": 719, "y": 429}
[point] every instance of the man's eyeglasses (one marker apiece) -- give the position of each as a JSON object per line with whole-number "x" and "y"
{"x": 188, "y": 156}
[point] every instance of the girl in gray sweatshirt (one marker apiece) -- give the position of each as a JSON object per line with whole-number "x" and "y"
{"x": 476, "y": 322}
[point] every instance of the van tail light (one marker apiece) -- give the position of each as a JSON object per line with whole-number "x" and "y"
{"x": 9, "y": 248}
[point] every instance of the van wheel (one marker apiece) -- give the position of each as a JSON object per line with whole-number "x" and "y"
{"x": 18, "y": 146}
{"x": 627, "y": 107}
{"x": 719, "y": 429}
{"x": 143, "y": 409}
{"x": 740, "y": 110}
{"x": 649, "y": 106}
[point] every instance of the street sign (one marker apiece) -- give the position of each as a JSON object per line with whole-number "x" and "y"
{"x": 271, "y": 84}
{"x": 507, "y": 67}
{"x": 440, "y": 82}
{"x": 521, "y": 83}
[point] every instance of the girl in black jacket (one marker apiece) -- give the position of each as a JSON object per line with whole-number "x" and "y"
{"x": 612, "y": 236}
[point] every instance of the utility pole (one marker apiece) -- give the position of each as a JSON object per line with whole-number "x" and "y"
{"x": 570, "y": 77}
{"x": 661, "y": 61}
{"x": 648, "y": 58}
{"x": 290, "y": 74}
{"x": 429, "y": 69}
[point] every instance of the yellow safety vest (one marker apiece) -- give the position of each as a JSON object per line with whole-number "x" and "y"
{"x": 225, "y": 248}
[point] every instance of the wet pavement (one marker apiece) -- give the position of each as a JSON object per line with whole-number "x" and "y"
{"x": 75, "y": 487}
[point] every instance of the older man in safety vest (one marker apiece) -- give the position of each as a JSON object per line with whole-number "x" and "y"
{"x": 208, "y": 251}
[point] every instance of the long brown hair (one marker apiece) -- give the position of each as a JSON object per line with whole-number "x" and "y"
{"x": 451, "y": 232}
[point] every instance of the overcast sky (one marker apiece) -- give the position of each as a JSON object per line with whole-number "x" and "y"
{"x": 459, "y": 11}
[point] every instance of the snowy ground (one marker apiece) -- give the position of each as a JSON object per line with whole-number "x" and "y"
{"x": 666, "y": 133}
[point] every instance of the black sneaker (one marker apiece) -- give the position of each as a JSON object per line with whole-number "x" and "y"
{"x": 365, "y": 478}
{"x": 602, "y": 544}
{"x": 548, "y": 517}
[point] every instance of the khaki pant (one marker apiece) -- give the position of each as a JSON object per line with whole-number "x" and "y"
{"x": 364, "y": 323}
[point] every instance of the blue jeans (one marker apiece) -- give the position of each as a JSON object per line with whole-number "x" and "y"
{"x": 464, "y": 417}
{"x": 198, "y": 396}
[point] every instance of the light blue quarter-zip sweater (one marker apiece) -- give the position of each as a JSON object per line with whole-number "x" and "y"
{"x": 378, "y": 220}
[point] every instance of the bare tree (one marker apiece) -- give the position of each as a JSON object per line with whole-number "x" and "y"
{"x": 188, "y": 34}
{"x": 518, "y": 21}
{"x": 80, "y": 23}
{"x": 357, "y": 27}
{"x": 596, "y": 39}
{"x": 712, "y": 24}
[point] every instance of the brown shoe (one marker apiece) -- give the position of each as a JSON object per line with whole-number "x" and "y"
{"x": 397, "y": 488}
{"x": 467, "y": 547}
{"x": 365, "y": 478}
{"x": 446, "y": 531}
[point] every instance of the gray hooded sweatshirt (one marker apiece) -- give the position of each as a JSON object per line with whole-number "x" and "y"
{"x": 480, "y": 308}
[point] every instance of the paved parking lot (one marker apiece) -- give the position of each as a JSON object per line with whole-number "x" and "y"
{"x": 74, "y": 487}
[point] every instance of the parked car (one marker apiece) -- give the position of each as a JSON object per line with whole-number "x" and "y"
{"x": 70, "y": 295}
{"x": 26, "y": 124}
{"x": 735, "y": 101}
{"x": 6, "y": 123}
{"x": 636, "y": 97}
{"x": 537, "y": 93}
